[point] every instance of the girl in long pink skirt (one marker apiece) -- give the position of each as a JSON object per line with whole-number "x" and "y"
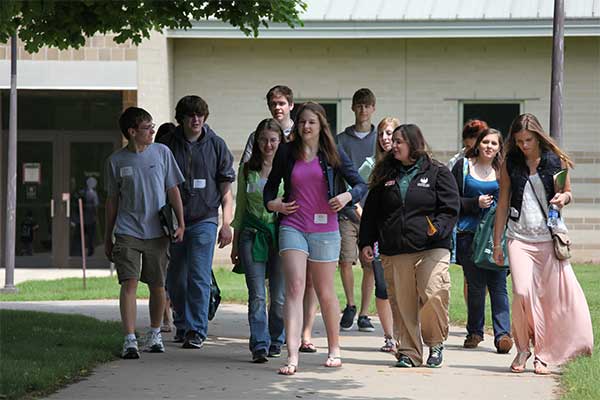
{"x": 549, "y": 307}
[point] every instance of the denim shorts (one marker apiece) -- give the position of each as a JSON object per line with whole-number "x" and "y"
{"x": 319, "y": 247}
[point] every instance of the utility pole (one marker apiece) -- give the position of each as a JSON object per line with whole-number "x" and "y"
{"x": 558, "y": 61}
{"x": 11, "y": 176}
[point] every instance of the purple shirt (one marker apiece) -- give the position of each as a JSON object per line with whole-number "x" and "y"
{"x": 309, "y": 189}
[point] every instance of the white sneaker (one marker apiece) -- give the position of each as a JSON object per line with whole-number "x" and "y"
{"x": 130, "y": 349}
{"x": 154, "y": 343}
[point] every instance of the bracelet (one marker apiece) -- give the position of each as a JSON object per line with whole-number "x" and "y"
{"x": 497, "y": 246}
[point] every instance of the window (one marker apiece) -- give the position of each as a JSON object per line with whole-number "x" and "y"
{"x": 330, "y": 109}
{"x": 498, "y": 115}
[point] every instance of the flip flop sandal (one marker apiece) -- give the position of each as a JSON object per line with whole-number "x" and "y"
{"x": 288, "y": 369}
{"x": 333, "y": 362}
{"x": 307, "y": 347}
{"x": 520, "y": 361}
{"x": 540, "y": 367}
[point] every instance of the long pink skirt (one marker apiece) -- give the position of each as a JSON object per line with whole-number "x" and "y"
{"x": 549, "y": 307}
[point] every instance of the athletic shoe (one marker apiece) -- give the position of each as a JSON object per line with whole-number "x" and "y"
{"x": 472, "y": 341}
{"x": 436, "y": 358}
{"x": 154, "y": 343}
{"x": 274, "y": 351}
{"x": 348, "y": 318}
{"x": 504, "y": 344}
{"x": 389, "y": 345}
{"x": 130, "y": 349}
{"x": 404, "y": 361}
{"x": 193, "y": 341}
{"x": 364, "y": 324}
{"x": 259, "y": 356}
{"x": 179, "y": 336}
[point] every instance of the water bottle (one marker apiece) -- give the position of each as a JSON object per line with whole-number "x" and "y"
{"x": 553, "y": 216}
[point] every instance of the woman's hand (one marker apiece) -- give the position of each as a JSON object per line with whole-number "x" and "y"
{"x": 235, "y": 259}
{"x": 278, "y": 205}
{"x": 486, "y": 200}
{"x": 367, "y": 253}
{"x": 561, "y": 199}
{"x": 498, "y": 255}
{"x": 338, "y": 202}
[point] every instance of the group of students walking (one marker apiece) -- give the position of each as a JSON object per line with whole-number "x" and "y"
{"x": 303, "y": 206}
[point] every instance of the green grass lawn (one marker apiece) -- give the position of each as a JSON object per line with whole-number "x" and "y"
{"x": 42, "y": 352}
{"x": 580, "y": 378}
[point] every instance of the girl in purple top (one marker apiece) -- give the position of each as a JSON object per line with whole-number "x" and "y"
{"x": 309, "y": 239}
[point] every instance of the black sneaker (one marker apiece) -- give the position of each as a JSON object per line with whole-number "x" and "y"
{"x": 274, "y": 351}
{"x": 193, "y": 341}
{"x": 435, "y": 359}
{"x": 259, "y": 356}
{"x": 364, "y": 324}
{"x": 179, "y": 336}
{"x": 404, "y": 361}
{"x": 348, "y": 318}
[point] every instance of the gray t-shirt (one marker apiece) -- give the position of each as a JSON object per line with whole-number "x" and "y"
{"x": 141, "y": 180}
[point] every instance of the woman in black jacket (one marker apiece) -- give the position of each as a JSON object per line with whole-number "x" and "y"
{"x": 411, "y": 210}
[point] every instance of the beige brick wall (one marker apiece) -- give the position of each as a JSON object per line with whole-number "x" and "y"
{"x": 96, "y": 48}
{"x": 418, "y": 80}
{"x": 154, "y": 78}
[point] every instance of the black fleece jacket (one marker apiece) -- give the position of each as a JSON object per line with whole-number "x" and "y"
{"x": 400, "y": 226}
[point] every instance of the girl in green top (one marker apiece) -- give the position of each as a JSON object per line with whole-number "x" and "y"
{"x": 255, "y": 245}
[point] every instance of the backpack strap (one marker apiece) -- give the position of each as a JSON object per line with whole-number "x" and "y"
{"x": 465, "y": 173}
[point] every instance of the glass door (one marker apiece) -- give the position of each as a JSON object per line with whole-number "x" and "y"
{"x": 35, "y": 204}
{"x": 86, "y": 159}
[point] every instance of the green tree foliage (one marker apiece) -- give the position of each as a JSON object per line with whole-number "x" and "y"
{"x": 63, "y": 24}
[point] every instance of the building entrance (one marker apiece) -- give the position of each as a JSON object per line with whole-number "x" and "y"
{"x": 54, "y": 171}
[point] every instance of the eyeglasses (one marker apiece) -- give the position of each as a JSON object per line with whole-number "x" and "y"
{"x": 263, "y": 142}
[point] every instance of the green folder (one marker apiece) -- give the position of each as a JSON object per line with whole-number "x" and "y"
{"x": 560, "y": 178}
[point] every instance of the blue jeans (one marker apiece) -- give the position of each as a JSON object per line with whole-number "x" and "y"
{"x": 189, "y": 277}
{"x": 477, "y": 281}
{"x": 265, "y": 330}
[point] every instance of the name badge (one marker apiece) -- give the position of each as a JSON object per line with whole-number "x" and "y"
{"x": 320, "y": 219}
{"x": 199, "y": 183}
{"x": 126, "y": 171}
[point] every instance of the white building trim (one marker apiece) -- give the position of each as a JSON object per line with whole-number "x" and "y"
{"x": 396, "y": 29}
{"x": 71, "y": 75}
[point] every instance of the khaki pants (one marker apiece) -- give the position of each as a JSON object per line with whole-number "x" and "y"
{"x": 418, "y": 286}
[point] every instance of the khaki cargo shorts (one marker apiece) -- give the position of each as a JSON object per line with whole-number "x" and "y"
{"x": 141, "y": 259}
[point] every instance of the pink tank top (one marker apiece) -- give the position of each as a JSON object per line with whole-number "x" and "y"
{"x": 309, "y": 189}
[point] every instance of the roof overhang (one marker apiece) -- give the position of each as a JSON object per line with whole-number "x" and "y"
{"x": 395, "y": 29}
{"x": 71, "y": 75}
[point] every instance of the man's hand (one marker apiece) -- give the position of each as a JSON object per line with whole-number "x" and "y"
{"x": 178, "y": 234}
{"x": 108, "y": 248}
{"x": 225, "y": 236}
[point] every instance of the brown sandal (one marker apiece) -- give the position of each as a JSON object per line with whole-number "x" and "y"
{"x": 520, "y": 361}
{"x": 307, "y": 347}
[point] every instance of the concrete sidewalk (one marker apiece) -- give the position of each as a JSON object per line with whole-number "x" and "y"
{"x": 222, "y": 369}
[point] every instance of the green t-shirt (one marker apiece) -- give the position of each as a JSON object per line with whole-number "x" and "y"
{"x": 406, "y": 175}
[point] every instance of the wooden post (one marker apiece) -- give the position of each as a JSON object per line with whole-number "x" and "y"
{"x": 558, "y": 60}
{"x": 82, "y": 233}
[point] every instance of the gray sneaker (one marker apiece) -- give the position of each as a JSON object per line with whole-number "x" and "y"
{"x": 130, "y": 349}
{"x": 154, "y": 343}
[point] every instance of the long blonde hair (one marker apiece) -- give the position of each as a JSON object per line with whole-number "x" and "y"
{"x": 529, "y": 122}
